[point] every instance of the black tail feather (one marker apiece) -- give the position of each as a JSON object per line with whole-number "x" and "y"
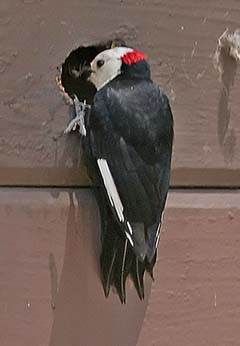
{"x": 122, "y": 266}
{"x": 118, "y": 261}
{"x": 107, "y": 259}
{"x": 150, "y": 265}
{"x": 137, "y": 274}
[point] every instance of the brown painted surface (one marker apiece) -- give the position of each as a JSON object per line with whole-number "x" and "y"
{"x": 50, "y": 292}
{"x": 195, "y": 299}
{"x": 180, "y": 40}
{"x": 50, "y": 289}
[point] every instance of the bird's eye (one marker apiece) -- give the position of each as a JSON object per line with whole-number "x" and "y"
{"x": 100, "y": 63}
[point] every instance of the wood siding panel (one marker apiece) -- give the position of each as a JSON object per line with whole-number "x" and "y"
{"x": 50, "y": 293}
{"x": 194, "y": 299}
{"x": 180, "y": 40}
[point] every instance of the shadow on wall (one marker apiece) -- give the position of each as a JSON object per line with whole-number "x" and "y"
{"x": 83, "y": 316}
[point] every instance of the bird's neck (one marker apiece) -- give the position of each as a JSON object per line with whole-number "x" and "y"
{"x": 139, "y": 70}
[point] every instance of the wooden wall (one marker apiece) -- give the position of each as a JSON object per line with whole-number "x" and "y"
{"x": 49, "y": 225}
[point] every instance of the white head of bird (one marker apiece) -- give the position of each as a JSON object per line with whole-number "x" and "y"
{"x": 107, "y": 65}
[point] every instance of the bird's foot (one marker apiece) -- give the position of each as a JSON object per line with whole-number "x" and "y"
{"x": 80, "y": 110}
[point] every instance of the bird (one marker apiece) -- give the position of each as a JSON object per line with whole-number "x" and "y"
{"x": 127, "y": 149}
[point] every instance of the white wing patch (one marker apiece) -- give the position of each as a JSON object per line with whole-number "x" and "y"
{"x": 129, "y": 238}
{"x": 113, "y": 195}
{"x": 111, "y": 188}
{"x": 158, "y": 234}
{"x": 129, "y": 227}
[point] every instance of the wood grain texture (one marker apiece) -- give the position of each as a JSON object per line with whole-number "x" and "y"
{"x": 50, "y": 288}
{"x": 180, "y": 40}
{"x": 195, "y": 297}
{"x": 50, "y": 293}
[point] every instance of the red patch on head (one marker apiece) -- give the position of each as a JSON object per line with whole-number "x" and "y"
{"x": 133, "y": 57}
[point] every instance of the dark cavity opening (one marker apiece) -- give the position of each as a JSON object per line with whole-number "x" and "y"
{"x": 72, "y": 80}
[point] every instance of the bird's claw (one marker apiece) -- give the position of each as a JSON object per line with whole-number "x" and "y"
{"x": 80, "y": 111}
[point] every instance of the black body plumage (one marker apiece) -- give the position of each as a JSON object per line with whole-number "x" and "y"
{"x": 131, "y": 127}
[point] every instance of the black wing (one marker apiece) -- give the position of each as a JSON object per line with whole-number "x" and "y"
{"x": 131, "y": 133}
